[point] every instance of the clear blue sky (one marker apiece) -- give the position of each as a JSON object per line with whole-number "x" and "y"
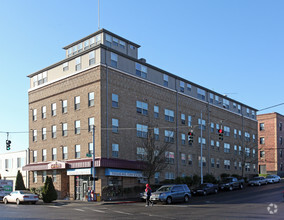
{"x": 233, "y": 47}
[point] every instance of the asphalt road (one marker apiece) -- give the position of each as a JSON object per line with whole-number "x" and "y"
{"x": 264, "y": 202}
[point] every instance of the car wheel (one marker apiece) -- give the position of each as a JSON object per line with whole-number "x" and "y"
{"x": 186, "y": 198}
{"x": 169, "y": 200}
{"x": 241, "y": 186}
{"x": 33, "y": 203}
{"x": 17, "y": 201}
{"x": 230, "y": 188}
{"x": 204, "y": 193}
{"x": 5, "y": 201}
{"x": 215, "y": 191}
{"x": 259, "y": 184}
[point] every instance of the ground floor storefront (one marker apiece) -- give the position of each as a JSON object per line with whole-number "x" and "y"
{"x": 74, "y": 179}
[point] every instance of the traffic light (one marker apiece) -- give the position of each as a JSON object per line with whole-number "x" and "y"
{"x": 8, "y": 143}
{"x": 92, "y": 178}
{"x": 190, "y": 137}
{"x": 221, "y": 133}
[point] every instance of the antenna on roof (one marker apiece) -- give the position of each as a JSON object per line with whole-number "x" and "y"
{"x": 99, "y": 14}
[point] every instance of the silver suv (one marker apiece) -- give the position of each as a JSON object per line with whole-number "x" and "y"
{"x": 171, "y": 193}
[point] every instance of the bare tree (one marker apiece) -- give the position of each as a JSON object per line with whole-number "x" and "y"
{"x": 155, "y": 159}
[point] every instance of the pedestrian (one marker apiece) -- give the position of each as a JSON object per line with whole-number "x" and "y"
{"x": 148, "y": 191}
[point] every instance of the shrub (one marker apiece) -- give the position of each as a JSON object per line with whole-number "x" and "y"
{"x": 209, "y": 178}
{"x": 49, "y": 193}
{"x": 19, "y": 182}
{"x": 195, "y": 179}
{"x": 224, "y": 175}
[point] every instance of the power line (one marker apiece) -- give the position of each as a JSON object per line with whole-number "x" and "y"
{"x": 271, "y": 107}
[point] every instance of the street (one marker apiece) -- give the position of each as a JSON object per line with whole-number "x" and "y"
{"x": 264, "y": 202}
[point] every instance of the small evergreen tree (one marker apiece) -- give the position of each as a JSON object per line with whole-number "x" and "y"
{"x": 19, "y": 182}
{"x": 49, "y": 193}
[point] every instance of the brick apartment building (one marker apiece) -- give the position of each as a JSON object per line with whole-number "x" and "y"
{"x": 102, "y": 82}
{"x": 270, "y": 132}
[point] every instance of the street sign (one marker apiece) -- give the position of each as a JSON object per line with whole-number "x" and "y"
{"x": 89, "y": 155}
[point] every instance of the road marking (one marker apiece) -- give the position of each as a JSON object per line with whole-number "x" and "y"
{"x": 96, "y": 210}
{"x": 54, "y": 207}
{"x": 81, "y": 210}
{"x": 180, "y": 206}
{"x": 151, "y": 215}
{"x": 126, "y": 213}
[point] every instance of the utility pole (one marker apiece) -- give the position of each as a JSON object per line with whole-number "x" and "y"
{"x": 201, "y": 158}
{"x": 93, "y": 168}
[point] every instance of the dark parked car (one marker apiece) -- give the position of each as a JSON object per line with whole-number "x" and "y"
{"x": 231, "y": 183}
{"x": 205, "y": 188}
{"x": 171, "y": 193}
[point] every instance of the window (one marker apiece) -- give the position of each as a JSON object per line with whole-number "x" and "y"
{"x": 169, "y": 115}
{"x": 34, "y": 135}
{"x": 90, "y": 148}
{"x": 115, "y": 149}
{"x": 248, "y": 112}
{"x": 183, "y": 139}
{"x": 280, "y": 126}
{"x": 34, "y": 114}
{"x": 80, "y": 47}
{"x": 142, "y": 108}
{"x": 203, "y": 142}
{"x": 261, "y": 126}
{"x": 141, "y": 70}
{"x": 182, "y": 157}
{"x": 43, "y": 133}
{"x": 253, "y": 114}
{"x": 8, "y": 164}
{"x": 115, "y": 41}
{"x": 226, "y": 148}
{"x": 20, "y": 162}
{"x": 253, "y": 138}
{"x": 240, "y": 134}
{"x": 217, "y": 163}
{"x": 65, "y": 66}
{"x": 189, "y": 159}
{"x": 64, "y": 106}
{"x": 35, "y": 176}
{"x": 54, "y": 175}
{"x": 91, "y": 99}
{"x": 122, "y": 44}
{"x": 77, "y": 103}
{"x": 157, "y": 178}
{"x": 181, "y": 86}
{"x": 227, "y": 164}
{"x": 247, "y": 150}
{"x": 65, "y": 153}
{"x": 262, "y": 154}
{"x": 247, "y": 136}
{"x": 212, "y": 126}
{"x": 188, "y": 87}
{"x": 170, "y": 157}
{"x": 54, "y": 154}
{"x": 226, "y": 103}
{"x": 201, "y": 94}
{"x": 235, "y": 149}
{"x": 169, "y": 176}
{"x": 92, "y": 58}
{"x": 218, "y": 145}
{"x": 212, "y": 162}
{"x": 226, "y": 131}
{"x": 247, "y": 167}
{"x": 70, "y": 52}
{"x": 189, "y": 121}
{"x": 43, "y": 176}
{"x": 261, "y": 140}
{"x": 43, "y": 112}
{"x": 203, "y": 161}
{"x": 77, "y": 151}
{"x": 217, "y": 128}
{"x": 114, "y": 100}
{"x": 156, "y": 111}
{"x": 202, "y": 124}
{"x": 53, "y": 131}
{"x": 53, "y": 109}
{"x": 113, "y": 58}
{"x": 234, "y": 105}
{"x": 77, "y": 127}
{"x": 166, "y": 80}
{"x": 34, "y": 156}
{"x": 240, "y": 150}
{"x": 211, "y": 98}
{"x": 142, "y": 130}
{"x": 253, "y": 152}
{"x": 217, "y": 101}
{"x": 108, "y": 40}
{"x": 235, "y": 133}
{"x": 92, "y": 41}
{"x": 239, "y": 109}
{"x": 235, "y": 165}
{"x": 91, "y": 123}
{"x": 115, "y": 125}
{"x": 141, "y": 153}
{"x": 212, "y": 143}
{"x": 182, "y": 117}
{"x": 169, "y": 136}
{"x": 78, "y": 63}
{"x": 86, "y": 45}
{"x": 280, "y": 140}
{"x": 156, "y": 134}
{"x": 64, "y": 129}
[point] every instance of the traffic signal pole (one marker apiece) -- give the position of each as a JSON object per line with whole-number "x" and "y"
{"x": 201, "y": 157}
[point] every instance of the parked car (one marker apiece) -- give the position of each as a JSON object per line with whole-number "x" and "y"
{"x": 20, "y": 196}
{"x": 273, "y": 179}
{"x": 230, "y": 183}
{"x": 257, "y": 181}
{"x": 171, "y": 193}
{"x": 143, "y": 196}
{"x": 205, "y": 188}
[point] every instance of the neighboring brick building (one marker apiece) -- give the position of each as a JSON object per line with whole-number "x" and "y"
{"x": 270, "y": 133}
{"x": 101, "y": 81}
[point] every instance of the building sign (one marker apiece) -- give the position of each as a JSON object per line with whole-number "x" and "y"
{"x": 56, "y": 165}
{"x": 120, "y": 172}
{"x": 84, "y": 171}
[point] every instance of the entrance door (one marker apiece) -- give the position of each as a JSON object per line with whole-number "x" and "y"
{"x": 85, "y": 190}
